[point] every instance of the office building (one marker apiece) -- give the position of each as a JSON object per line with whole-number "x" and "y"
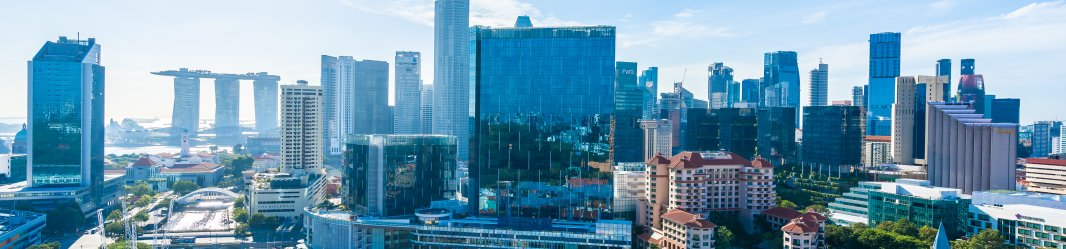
{"x": 967, "y": 67}
{"x": 805, "y": 232}
{"x": 857, "y": 96}
{"x": 1006, "y": 111}
{"x": 968, "y": 152}
{"x": 285, "y": 195}
{"x": 776, "y": 131}
{"x": 884, "y": 68}
{"x": 876, "y": 150}
{"x": 920, "y": 203}
{"x": 853, "y": 206}
{"x": 649, "y": 78}
{"x": 972, "y": 90}
{"x": 628, "y": 186}
{"x": 301, "y": 128}
{"x": 686, "y": 230}
{"x": 1041, "y": 139}
{"x": 908, "y": 122}
{"x": 387, "y": 175}
{"x": 21, "y": 229}
{"x": 451, "y": 71}
{"x": 684, "y": 182}
{"x": 832, "y": 137}
{"x": 544, "y": 111}
{"x": 330, "y": 139}
{"x": 719, "y": 84}
{"x": 66, "y": 118}
{"x": 1045, "y": 175}
{"x": 628, "y": 110}
{"x": 408, "y": 68}
{"x": 943, "y": 69}
{"x": 425, "y": 119}
{"x": 657, "y": 137}
{"x": 13, "y": 166}
{"x": 781, "y": 81}
{"x": 750, "y": 92}
{"x": 820, "y": 85}
{"x": 359, "y": 91}
{"x": 1027, "y": 220}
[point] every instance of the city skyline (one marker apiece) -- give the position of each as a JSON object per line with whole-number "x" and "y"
{"x": 671, "y": 36}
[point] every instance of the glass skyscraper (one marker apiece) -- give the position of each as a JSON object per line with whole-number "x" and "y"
{"x": 943, "y": 69}
{"x": 719, "y": 81}
{"x": 650, "y": 80}
{"x": 884, "y": 68}
{"x": 629, "y": 108}
{"x": 451, "y": 71}
{"x": 820, "y": 85}
{"x": 544, "y": 100}
{"x": 66, "y": 116}
{"x": 832, "y": 136}
{"x": 387, "y": 175}
{"x": 750, "y": 91}
{"x": 781, "y": 81}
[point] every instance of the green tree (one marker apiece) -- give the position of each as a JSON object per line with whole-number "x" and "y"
{"x": 260, "y": 221}
{"x": 927, "y": 234}
{"x": 114, "y": 215}
{"x": 141, "y": 216}
{"x": 840, "y": 236}
{"x": 235, "y": 165}
{"x": 49, "y": 245}
{"x": 818, "y": 208}
{"x": 723, "y": 237}
{"x": 986, "y": 239}
{"x": 786, "y": 204}
{"x": 239, "y": 202}
{"x": 240, "y": 215}
{"x": 139, "y": 189}
{"x": 143, "y": 201}
{"x": 184, "y": 187}
{"x": 114, "y": 228}
{"x": 122, "y": 244}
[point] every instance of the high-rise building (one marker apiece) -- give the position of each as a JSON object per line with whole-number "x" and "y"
{"x": 972, "y": 89}
{"x": 408, "y": 99}
{"x": 832, "y": 137}
{"x": 66, "y": 116}
{"x": 719, "y": 79}
{"x": 426, "y": 110}
{"x": 857, "y": 96}
{"x": 657, "y": 137}
{"x": 820, "y": 85}
{"x": 734, "y": 93}
{"x": 628, "y": 109}
{"x": 452, "y": 71}
{"x": 301, "y": 128}
{"x": 750, "y": 91}
{"x": 943, "y": 69}
{"x": 876, "y": 150}
{"x": 649, "y": 78}
{"x": 387, "y": 175}
{"x": 543, "y": 122}
{"x": 1041, "y": 140}
{"x": 968, "y": 152}
{"x": 884, "y": 68}
{"x": 330, "y": 139}
{"x": 705, "y": 193}
{"x": 908, "y": 122}
{"x": 781, "y": 81}
{"x": 362, "y": 98}
{"x": 967, "y": 67}
{"x": 777, "y": 134}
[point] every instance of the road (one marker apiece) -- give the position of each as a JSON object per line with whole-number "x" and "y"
{"x": 94, "y": 240}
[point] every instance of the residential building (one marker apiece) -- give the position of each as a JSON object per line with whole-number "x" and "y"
{"x": 628, "y": 110}
{"x": 777, "y": 217}
{"x": 426, "y": 110}
{"x": 682, "y": 230}
{"x": 544, "y": 111}
{"x": 388, "y": 175}
{"x": 943, "y": 69}
{"x": 853, "y": 206}
{"x": 452, "y": 71}
{"x": 917, "y": 201}
{"x": 781, "y": 81}
{"x": 649, "y": 78}
{"x": 628, "y": 184}
{"x": 876, "y": 150}
{"x": 1041, "y": 140}
{"x": 1027, "y": 220}
{"x": 21, "y": 229}
{"x": 805, "y": 232}
{"x": 884, "y": 68}
{"x": 832, "y": 137}
{"x": 820, "y": 85}
{"x": 408, "y": 98}
{"x": 657, "y": 137}
{"x": 968, "y": 152}
{"x": 857, "y": 96}
{"x": 301, "y": 128}
{"x": 1045, "y": 175}
{"x": 719, "y": 81}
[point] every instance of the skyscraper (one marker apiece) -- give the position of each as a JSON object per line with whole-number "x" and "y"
{"x": 451, "y": 71}
{"x": 387, "y": 175}
{"x": 857, "y": 96}
{"x": 972, "y": 89}
{"x": 656, "y": 137}
{"x": 66, "y": 116}
{"x": 908, "y": 121}
{"x": 330, "y": 139}
{"x": 781, "y": 81}
{"x": 943, "y": 69}
{"x": 543, "y": 122}
{"x": 362, "y": 98}
{"x": 967, "y": 67}
{"x": 884, "y": 68}
{"x": 968, "y": 152}
{"x": 1041, "y": 139}
{"x": 832, "y": 137}
{"x": 426, "y": 110}
{"x": 649, "y": 78}
{"x": 301, "y": 128}
{"x": 820, "y": 85}
{"x": 750, "y": 92}
{"x": 408, "y": 93}
{"x": 628, "y": 110}
{"x": 719, "y": 79}
{"x": 777, "y": 134}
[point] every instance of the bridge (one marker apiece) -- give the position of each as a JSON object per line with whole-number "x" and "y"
{"x": 208, "y": 194}
{"x": 186, "y": 115}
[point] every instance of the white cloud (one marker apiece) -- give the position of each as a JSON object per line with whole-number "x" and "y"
{"x": 942, "y": 6}
{"x": 1037, "y": 10}
{"x": 816, "y": 17}
{"x": 688, "y": 29}
{"x": 495, "y": 13}
{"x": 687, "y": 13}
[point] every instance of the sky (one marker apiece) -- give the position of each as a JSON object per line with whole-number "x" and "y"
{"x": 1018, "y": 45}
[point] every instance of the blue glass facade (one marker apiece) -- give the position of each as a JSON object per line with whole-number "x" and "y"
{"x": 650, "y": 78}
{"x": 386, "y": 175}
{"x": 884, "y": 68}
{"x": 750, "y": 91}
{"x": 66, "y": 108}
{"x": 781, "y": 81}
{"x": 1006, "y": 110}
{"x": 544, "y": 99}
{"x": 943, "y": 68}
{"x": 719, "y": 82}
{"x": 627, "y": 143}
{"x": 832, "y": 136}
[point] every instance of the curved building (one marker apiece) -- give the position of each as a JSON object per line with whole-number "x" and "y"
{"x": 387, "y": 175}
{"x": 972, "y": 89}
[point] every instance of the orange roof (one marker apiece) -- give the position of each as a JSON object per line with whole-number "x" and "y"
{"x": 878, "y": 138}
{"x": 144, "y": 161}
{"x": 658, "y": 159}
{"x": 811, "y": 215}
{"x": 806, "y": 223}
{"x": 689, "y": 159}
{"x": 1045, "y": 161}
{"x": 688, "y": 219}
{"x": 761, "y": 163}
{"x": 781, "y": 212}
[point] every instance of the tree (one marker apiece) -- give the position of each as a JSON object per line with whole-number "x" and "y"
{"x": 139, "y": 189}
{"x": 818, "y": 208}
{"x": 786, "y": 204}
{"x": 114, "y": 215}
{"x": 141, "y": 216}
{"x": 927, "y": 234}
{"x": 260, "y": 221}
{"x": 240, "y": 215}
{"x": 986, "y": 239}
{"x": 49, "y": 245}
{"x": 122, "y": 244}
{"x": 114, "y": 228}
{"x": 723, "y": 238}
{"x": 840, "y": 237}
{"x": 143, "y": 201}
{"x": 235, "y": 165}
{"x": 239, "y": 202}
{"x": 184, "y": 187}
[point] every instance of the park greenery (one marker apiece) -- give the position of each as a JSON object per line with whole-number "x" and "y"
{"x": 184, "y": 187}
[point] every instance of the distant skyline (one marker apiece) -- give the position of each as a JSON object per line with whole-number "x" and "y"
{"x": 1018, "y": 45}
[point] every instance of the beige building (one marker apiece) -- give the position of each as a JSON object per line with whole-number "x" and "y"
{"x": 805, "y": 232}
{"x": 683, "y": 230}
{"x": 876, "y": 150}
{"x": 301, "y": 128}
{"x": 1045, "y": 175}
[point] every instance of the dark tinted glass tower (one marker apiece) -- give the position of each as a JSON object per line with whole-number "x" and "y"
{"x": 884, "y": 68}
{"x": 1006, "y": 110}
{"x": 943, "y": 68}
{"x": 544, "y": 100}
{"x": 626, "y": 144}
{"x": 66, "y": 116}
{"x": 750, "y": 91}
{"x": 777, "y": 134}
{"x": 832, "y": 137}
{"x": 387, "y": 175}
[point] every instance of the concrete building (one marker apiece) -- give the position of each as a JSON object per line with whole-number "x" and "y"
{"x": 1027, "y": 220}
{"x": 657, "y": 137}
{"x": 1041, "y": 140}
{"x": 805, "y": 232}
{"x": 820, "y": 85}
{"x": 629, "y": 186}
{"x": 408, "y": 93}
{"x": 920, "y": 203}
{"x": 968, "y": 152}
{"x": 682, "y": 230}
{"x": 451, "y": 71}
{"x": 20, "y": 229}
{"x": 285, "y": 195}
{"x": 425, "y": 118}
{"x": 876, "y": 150}
{"x": 1045, "y": 175}
{"x": 908, "y": 122}
{"x": 301, "y": 128}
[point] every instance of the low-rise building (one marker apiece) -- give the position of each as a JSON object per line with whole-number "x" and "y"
{"x": 1045, "y": 175}
{"x": 705, "y": 182}
{"x": 777, "y": 217}
{"x": 285, "y": 195}
{"x": 629, "y": 189}
{"x": 20, "y": 229}
{"x": 205, "y": 174}
{"x": 50, "y": 198}
{"x": 686, "y": 230}
{"x": 805, "y": 232}
{"x": 916, "y": 201}
{"x": 1026, "y": 219}
{"x": 853, "y": 206}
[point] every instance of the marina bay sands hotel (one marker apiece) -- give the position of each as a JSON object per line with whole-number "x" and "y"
{"x": 186, "y": 114}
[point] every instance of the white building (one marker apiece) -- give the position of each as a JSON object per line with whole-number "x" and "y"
{"x": 451, "y": 71}
{"x": 657, "y": 137}
{"x": 629, "y": 180}
{"x": 301, "y": 128}
{"x": 805, "y": 232}
{"x": 684, "y": 230}
{"x": 362, "y": 100}
{"x": 285, "y": 195}
{"x": 408, "y": 68}
{"x": 1028, "y": 220}
{"x": 876, "y": 150}
{"x": 907, "y": 128}
{"x": 1045, "y": 175}
{"x": 425, "y": 118}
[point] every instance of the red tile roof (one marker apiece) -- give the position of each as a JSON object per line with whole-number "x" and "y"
{"x": 878, "y": 138}
{"x": 807, "y": 223}
{"x": 781, "y": 212}
{"x": 691, "y": 160}
{"x": 658, "y": 159}
{"x": 762, "y": 163}
{"x": 688, "y": 219}
{"x": 811, "y": 215}
{"x": 1045, "y": 161}
{"x": 144, "y": 161}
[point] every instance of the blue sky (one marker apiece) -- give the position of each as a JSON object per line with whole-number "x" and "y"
{"x": 1018, "y": 44}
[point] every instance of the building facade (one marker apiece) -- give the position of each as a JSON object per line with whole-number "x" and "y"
{"x": 21, "y": 229}
{"x": 820, "y": 85}
{"x": 853, "y": 206}
{"x": 628, "y": 184}
{"x": 876, "y": 150}
{"x": 968, "y": 152}
{"x": 857, "y": 96}
{"x": 920, "y": 203}
{"x": 781, "y": 81}
{"x": 1027, "y": 220}
{"x": 451, "y": 71}
{"x": 719, "y": 82}
{"x": 776, "y": 131}
{"x": 683, "y": 230}
{"x": 649, "y": 79}
{"x": 884, "y": 68}
{"x": 943, "y": 69}
{"x": 425, "y": 119}
{"x": 362, "y": 100}
{"x": 388, "y": 175}
{"x": 301, "y": 127}
{"x": 706, "y": 182}
{"x": 1041, "y": 139}
{"x": 805, "y": 232}
{"x": 1045, "y": 175}
{"x": 657, "y": 137}
{"x": 408, "y": 98}
{"x": 628, "y": 110}
{"x": 832, "y": 137}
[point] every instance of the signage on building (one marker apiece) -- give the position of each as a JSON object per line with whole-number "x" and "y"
{"x": 1029, "y": 218}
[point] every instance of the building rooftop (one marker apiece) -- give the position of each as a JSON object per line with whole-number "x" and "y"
{"x": 690, "y": 160}
{"x": 1008, "y": 197}
{"x": 12, "y": 219}
{"x": 921, "y": 189}
{"x": 204, "y": 167}
{"x": 688, "y": 219}
{"x": 886, "y": 139}
{"x": 1045, "y": 161}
